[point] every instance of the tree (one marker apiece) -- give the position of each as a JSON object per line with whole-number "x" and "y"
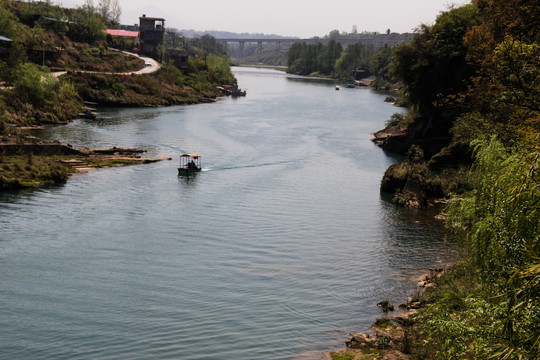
{"x": 328, "y": 56}
{"x": 116, "y": 12}
{"x": 334, "y": 34}
{"x": 208, "y": 44}
{"x": 381, "y": 68}
{"x": 506, "y": 87}
{"x": 517, "y": 73}
{"x": 87, "y": 25}
{"x": 434, "y": 65}
{"x": 355, "y": 56}
{"x": 8, "y": 21}
{"x": 110, "y": 10}
{"x": 33, "y": 83}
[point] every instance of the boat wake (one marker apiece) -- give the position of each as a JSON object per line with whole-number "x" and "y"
{"x": 173, "y": 148}
{"x": 250, "y": 165}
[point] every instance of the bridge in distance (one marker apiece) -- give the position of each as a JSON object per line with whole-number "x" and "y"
{"x": 377, "y": 41}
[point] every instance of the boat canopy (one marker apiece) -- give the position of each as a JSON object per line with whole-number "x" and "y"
{"x": 195, "y": 156}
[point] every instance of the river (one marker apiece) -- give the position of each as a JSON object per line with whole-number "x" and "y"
{"x": 276, "y": 250}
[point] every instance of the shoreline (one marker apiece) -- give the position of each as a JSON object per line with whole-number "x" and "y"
{"x": 388, "y": 337}
{"x": 23, "y": 160}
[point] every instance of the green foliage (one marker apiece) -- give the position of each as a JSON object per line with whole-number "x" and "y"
{"x": 499, "y": 228}
{"x": 302, "y": 58}
{"x": 118, "y": 88}
{"x": 52, "y": 17}
{"x": 517, "y": 71}
{"x": 355, "y": 56}
{"x": 502, "y": 216}
{"x": 28, "y": 171}
{"x": 205, "y": 73}
{"x": 477, "y": 69}
{"x": 3, "y": 125}
{"x": 382, "y": 322}
{"x": 433, "y": 66}
{"x": 305, "y": 59}
{"x": 395, "y": 119}
{"x": 33, "y": 83}
{"x": 384, "y": 79}
{"x": 329, "y": 60}
{"x": 206, "y": 44}
{"x": 87, "y": 25}
{"x": 328, "y": 56}
{"x": 8, "y": 21}
{"x": 342, "y": 357}
{"x": 219, "y": 69}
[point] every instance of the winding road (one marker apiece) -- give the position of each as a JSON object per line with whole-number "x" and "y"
{"x": 151, "y": 66}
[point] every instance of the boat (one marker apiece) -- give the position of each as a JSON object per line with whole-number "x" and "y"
{"x": 88, "y": 115}
{"x": 235, "y": 91}
{"x": 189, "y": 164}
{"x": 337, "y": 87}
{"x": 88, "y": 111}
{"x": 232, "y": 90}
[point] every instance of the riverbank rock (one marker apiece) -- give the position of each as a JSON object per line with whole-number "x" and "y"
{"x": 386, "y": 343}
{"x": 381, "y": 137}
{"x": 407, "y": 180}
{"x": 404, "y": 319}
{"x": 389, "y": 339}
{"x": 360, "y": 341}
{"x": 386, "y": 306}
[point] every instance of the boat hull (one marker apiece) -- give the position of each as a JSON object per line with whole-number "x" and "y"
{"x": 185, "y": 171}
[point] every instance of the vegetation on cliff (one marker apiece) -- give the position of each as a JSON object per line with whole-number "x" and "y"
{"x": 473, "y": 82}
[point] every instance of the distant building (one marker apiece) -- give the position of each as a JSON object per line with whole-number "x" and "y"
{"x": 359, "y": 74}
{"x": 178, "y": 58}
{"x": 151, "y": 34}
{"x": 134, "y": 27}
{"x": 122, "y": 33}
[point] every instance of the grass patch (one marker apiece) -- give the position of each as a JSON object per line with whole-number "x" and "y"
{"x": 342, "y": 357}
{"x": 382, "y": 322}
{"x": 29, "y": 171}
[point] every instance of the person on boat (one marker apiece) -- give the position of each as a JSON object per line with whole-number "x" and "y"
{"x": 191, "y": 165}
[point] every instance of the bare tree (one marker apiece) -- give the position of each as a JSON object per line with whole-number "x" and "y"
{"x": 116, "y": 11}
{"x": 110, "y": 10}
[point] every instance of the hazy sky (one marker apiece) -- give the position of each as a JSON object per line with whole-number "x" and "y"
{"x": 300, "y": 18}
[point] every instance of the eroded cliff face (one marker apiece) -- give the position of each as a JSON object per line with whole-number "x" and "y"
{"x": 431, "y": 134}
{"x": 407, "y": 180}
{"x": 433, "y": 159}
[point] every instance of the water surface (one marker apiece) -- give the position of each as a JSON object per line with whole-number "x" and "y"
{"x": 281, "y": 246}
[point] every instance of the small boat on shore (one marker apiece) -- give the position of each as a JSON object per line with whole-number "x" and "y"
{"x": 189, "y": 164}
{"x": 88, "y": 115}
{"x": 232, "y": 90}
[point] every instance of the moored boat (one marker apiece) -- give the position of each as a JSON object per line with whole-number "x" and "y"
{"x": 232, "y": 90}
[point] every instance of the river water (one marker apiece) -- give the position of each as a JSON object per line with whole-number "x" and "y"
{"x": 278, "y": 249}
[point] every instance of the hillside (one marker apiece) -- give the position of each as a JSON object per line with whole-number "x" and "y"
{"x": 55, "y": 59}
{"x": 472, "y": 138}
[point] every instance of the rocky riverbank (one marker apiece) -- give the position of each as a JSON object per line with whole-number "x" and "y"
{"x": 390, "y": 337}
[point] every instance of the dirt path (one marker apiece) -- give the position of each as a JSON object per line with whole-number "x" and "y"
{"x": 151, "y": 66}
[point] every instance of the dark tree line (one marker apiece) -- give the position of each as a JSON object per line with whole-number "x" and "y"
{"x": 329, "y": 60}
{"x": 305, "y": 59}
